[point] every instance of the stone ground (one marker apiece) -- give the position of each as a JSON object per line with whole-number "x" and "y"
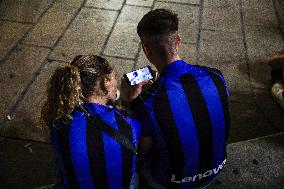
{"x": 235, "y": 36}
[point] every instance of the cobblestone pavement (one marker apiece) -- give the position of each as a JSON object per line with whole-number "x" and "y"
{"x": 36, "y": 37}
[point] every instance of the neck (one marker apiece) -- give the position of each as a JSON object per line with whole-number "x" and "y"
{"x": 161, "y": 64}
{"x": 97, "y": 100}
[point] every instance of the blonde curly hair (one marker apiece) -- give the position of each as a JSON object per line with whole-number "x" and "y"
{"x": 68, "y": 86}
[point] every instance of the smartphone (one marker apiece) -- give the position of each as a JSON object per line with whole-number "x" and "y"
{"x": 138, "y": 76}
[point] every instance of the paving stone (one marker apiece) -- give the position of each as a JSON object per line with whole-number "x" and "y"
{"x": 143, "y": 61}
{"x": 260, "y": 13}
{"x": 127, "y": 16}
{"x": 72, "y": 3}
{"x": 24, "y": 10}
{"x": 262, "y": 42}
{"x": 188, "y": 19}
{"x": 52, "y": 24}
{"x": 260, "y": 74}
{"x": 271, "y": 109}
{"x": 124, "y": 41}
{"x": 253, "y": 164}
{"x": 221, "y": 3}
{"x": 225, "y": 19}
{"x": 109, "y": 4}
{"x": 122, "y": 66}
{"x": 26, "y": 118}
{"x": 86, "y": 35}
{"x": 242, "y": 96}
{"x": 19, "y": 166}
{"x": 195, "y": 2}
{"x": 248, "y": 122}
{"x": 236, "y": 77}
{"x": 225, "y": 51}
{"x": 188, "y": 53}
{"x": 147, "y": 3}
{"x": 221, "y": 46}
{"x": 10, "y": 35}
{"x": 17, "y": 72}
{"x": 279, "y": 5}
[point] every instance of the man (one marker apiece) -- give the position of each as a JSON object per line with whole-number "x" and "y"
{"x": 185, "y": 112}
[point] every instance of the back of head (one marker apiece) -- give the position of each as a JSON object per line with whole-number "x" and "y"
{"x": 158, "y": 31}
{"x": 93, "y": 72}
{"x": 68, "y": 86}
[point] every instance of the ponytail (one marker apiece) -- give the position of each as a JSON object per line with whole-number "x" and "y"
{"x": 83, "y": 78}
{"x": 64, "y": 95}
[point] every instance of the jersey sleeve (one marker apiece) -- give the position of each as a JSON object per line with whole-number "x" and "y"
{"x": 141, "y": 111}
{"x": 220, "y": 75}
{"x": 226, "y": 103}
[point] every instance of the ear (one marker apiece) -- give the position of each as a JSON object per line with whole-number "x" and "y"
{"x": 178, "y": 40}
{"x": 106, "y": 82}
{"x": 146, "y": 50}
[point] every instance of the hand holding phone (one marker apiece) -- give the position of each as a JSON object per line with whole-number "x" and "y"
{"x": 138, "y": 88}
{"x": 138, "y": 76}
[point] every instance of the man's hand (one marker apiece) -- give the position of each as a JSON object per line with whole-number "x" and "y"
{"x": 131, "y": 92}
{"x": 136, "y": 90}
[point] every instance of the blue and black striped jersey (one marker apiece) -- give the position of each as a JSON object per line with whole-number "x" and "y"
{"x": 186, "y": 113}
{"x": 88, "y": 157}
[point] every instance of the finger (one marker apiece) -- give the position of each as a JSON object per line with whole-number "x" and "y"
{"x": 138, "y": 85}
{"x": 147, "y": 82}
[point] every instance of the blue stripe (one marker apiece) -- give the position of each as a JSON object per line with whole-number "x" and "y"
{"x": 54, "y": 140}
{"x": 214, "y": 106}
{"x": 135, "y": 127}
{"x": 112, "y": 152}
{"x": 186, "y": 127}
{"x": 79, "y": 155}
{"x": 112, "y": 149}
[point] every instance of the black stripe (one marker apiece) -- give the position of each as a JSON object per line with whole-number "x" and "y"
{"x": 62, "y": 135}
{"x": 96, "y": 156}
{"x": 148, "y": 92}
{"x": 127, "y": 156}
{"x": 201, "y": 118}
{"x": 164, "y": 116}
{"x": 224, "y": 101}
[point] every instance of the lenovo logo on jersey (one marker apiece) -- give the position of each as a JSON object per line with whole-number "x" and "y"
{"x": 199, "y": 176}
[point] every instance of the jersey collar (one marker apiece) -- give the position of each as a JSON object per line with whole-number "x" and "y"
{"x": 174, "y": 68}
{"x": 95, "y": 108}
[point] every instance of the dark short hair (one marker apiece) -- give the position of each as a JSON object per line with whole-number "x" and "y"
{"x": 157, "y": 22}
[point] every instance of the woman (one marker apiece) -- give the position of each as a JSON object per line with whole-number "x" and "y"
{"x": 87, "y": 157}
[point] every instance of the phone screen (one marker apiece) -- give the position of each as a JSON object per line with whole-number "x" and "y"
{"x": 139, "y": 75}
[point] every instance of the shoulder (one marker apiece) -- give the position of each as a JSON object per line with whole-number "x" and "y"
{"x": 147, "y": 94}
{"x": 151, "y": 90}
{"x": 76, "y": 116}
{"x": 209, "y": 70}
